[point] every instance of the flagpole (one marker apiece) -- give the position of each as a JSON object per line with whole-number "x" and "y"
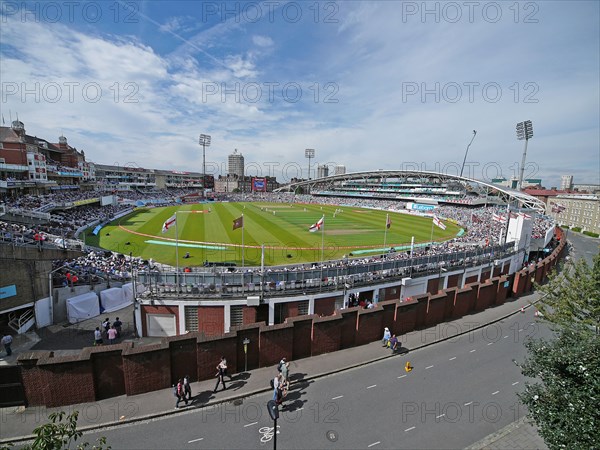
{"x": 387, "y": 220}
{"x": 243, "y": 253}
{"x": 262, "y": 271}
{"x": 177, "y": 254}
{"x": 323, "y": 238}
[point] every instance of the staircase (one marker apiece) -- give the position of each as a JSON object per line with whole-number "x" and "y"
{"x": 21, "y": 322}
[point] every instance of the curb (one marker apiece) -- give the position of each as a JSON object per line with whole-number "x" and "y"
{"x": 21, "y": 439}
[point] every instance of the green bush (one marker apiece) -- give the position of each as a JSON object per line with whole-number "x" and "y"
{"x": 590, "y": 234}
{"x": 566, "y": 227}
{"x": 577, "y": 229}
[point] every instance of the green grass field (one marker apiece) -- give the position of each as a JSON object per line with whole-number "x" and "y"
{"x": 282, "y": 228}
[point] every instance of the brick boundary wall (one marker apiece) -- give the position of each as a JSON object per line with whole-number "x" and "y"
{"x": 136, "y": 370}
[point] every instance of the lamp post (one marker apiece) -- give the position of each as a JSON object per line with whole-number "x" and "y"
{"x": 524, "y": 132}
{"x": 309, "y": 153}
{"x": 204, "y": 141}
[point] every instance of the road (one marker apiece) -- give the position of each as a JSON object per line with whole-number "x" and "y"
{"x": 459, "y": 391}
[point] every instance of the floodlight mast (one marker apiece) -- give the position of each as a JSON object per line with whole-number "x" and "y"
{"x": 524, "y": 132}
{"x": 466, "y": 152}
{"x": 204, "y": 141}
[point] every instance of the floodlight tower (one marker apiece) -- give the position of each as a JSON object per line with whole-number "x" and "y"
{"x": 309, "y": 153}
{"x": 204, "y": 141}
{"x": 524, "y": 132}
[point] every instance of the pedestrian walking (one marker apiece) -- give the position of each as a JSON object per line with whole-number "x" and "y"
{"x": 97, "y": 336}
{"x": 106, "y": 327}
{"x": 386, "y": 336}
{"x": 226, "y": 370}
{"x": 187, "y": 389}
{"x": 112, "y": 335}
{"x": 276, "y": 382}
{"x": 284, "y": 369}
{"x": 394, "y": 343}
{"x": 221, "y": 369}
{"x": 179, "y": 392}
{"x": 7, "y": 342}
{"x": 118, "y": 324}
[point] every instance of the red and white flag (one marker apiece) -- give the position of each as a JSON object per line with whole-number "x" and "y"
{"x": 525, "y": 216}
{"x": 317, "y": 226}
{"x": 438, "y": 222}
{"x": 169, "y": 223}
{"x": 500, "y": 218}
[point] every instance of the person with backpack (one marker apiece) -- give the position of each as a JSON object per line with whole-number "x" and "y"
{"x": 179, "y": 392}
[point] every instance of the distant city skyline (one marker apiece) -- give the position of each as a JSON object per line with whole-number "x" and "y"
{"x": 368, "y": 85}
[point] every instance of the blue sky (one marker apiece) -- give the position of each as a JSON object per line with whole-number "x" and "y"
{"x": 370, "y": 85}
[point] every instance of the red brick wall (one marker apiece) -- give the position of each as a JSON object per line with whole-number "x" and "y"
{"x": 449, "y": 304}
{"x": 349, "y": 322}
{"x": 486, "y": 296}
{"x": 485, "y": 275}
{"x": 432, "y": 285}
{"x": 251, "y": 332}
{"x": 436, "y": 307}
{"x": 325, "y": 306}
{"x": 275, "y": 343}
{"x": 518, "y": 286}
{"x": 158, "y": 309}
{"x": 209, "y": 352}
{"x": 292, "y": 309}
{"x": 302, "y": 336}
{"x": 406, "y": 317}
{"x": 390, "y": 293}
{"x": 501, "y": 291}
{"x": 422, "y": 300}
{"x": 370, "y": 325}
{"x": 184, "y": 356}
{"x": 389, "y": 313}
{"x": 462, "y": 302}
{"x": 326, "y": 334}
{"x": 33, "y": 381}
{"x": 108, "y": 373}
{"x": 453, "y": 280}
{"x": 147, "y": 368}
{"x": 249, "y": 315}
{"x": 211, "y": 320}
{"x": 68, "y": 383}
{"x": 471, "y": 279}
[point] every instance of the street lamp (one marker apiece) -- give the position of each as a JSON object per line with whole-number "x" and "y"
{"x": 204, "y": 141}
{"x": 309, "y": 153}
{"x": 524, "y": 132}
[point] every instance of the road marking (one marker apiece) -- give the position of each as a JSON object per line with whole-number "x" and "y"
{"x": 401, "y": 376}
{"x": 428, "y": 367}
{"x": 515, "y": 383}
{"x": 467, "y": 404}
{"x": 195, "y": 440}
{"x": 300, "y": 409}
{"x": 374, "y": 443}
{"x": 494, "y": 393}
{"x": 372, "y": 386}
{"x": 452, "y": 359}
{"x": 520, "y": 329}
{"x": 504, "y": 337}
{"x": 335, "y": 398}
{"x": 441, "y": 415}
{"x": 490, "y": 343}
{"x": 472, "y": 351}
{"x": 411, "y": 428}
{"x": 250, "y": 424}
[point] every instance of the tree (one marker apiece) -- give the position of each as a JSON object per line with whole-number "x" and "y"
{"x": 563, "y": 401}
{"x": 61, "y": 432}
{"x": 573, "y": 295}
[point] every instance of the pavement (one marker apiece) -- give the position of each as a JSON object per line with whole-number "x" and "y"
{"x": 17, "y": 423}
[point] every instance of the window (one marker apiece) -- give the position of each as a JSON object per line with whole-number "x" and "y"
{"x": 236, "y": 316}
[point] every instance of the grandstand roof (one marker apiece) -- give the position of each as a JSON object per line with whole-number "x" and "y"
{"x": 510, "y": 196}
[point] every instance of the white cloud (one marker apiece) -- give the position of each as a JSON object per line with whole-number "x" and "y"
{"x": 262, "y": 41}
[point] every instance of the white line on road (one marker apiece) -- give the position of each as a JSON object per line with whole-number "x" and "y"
{"x": 520, "y": 329}
{"x": 490, "y": 343}
{"x": 411, "y": 428}
{"x": 335, "y": 398}
{"x": 467, "y": 404}
{"x": 441, "y": 415}
{"x": 453, "y": 358}
{"x": 250, "y": 424}
{"x": 472, "y": 351}
{"x": 372, "y": 386}
{"x": 515, "y": 383}
{"x": 504, "y": 337}
{"x": 374, "y": 443}
{"x": 195, "y": 440}
{"x": 401, "y": 376}
{"x": 428, "y": 367}
{"x": 300, "y": 409}
{"x": 494, "y": 393}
